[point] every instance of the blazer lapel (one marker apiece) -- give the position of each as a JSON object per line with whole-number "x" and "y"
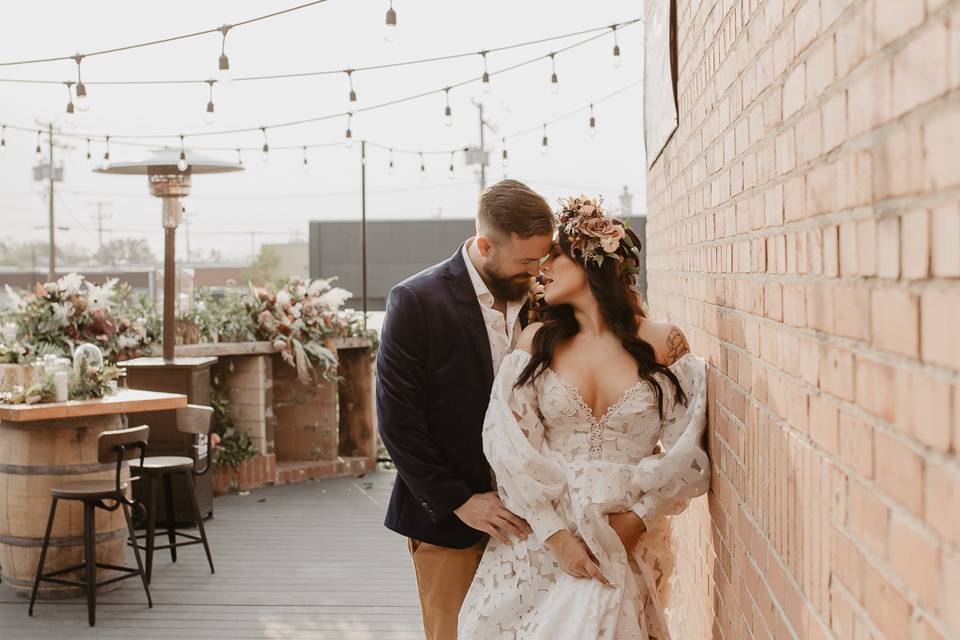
{"x": 464, "y": 299}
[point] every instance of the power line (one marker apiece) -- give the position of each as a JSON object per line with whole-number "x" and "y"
{"x": 150, "y": 43}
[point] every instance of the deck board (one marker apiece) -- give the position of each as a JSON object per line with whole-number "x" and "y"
{"x": 308, "y": 561}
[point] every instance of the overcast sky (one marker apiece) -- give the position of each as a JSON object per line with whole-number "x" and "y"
{"x": 274, "y": 202}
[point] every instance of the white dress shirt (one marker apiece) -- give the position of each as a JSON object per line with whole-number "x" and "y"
{"x": 503, "y": 331}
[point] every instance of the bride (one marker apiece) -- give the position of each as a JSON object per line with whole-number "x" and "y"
{"x": 594, "y": 433}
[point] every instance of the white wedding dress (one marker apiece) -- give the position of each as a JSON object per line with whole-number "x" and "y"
{"x": 559, "y": 466}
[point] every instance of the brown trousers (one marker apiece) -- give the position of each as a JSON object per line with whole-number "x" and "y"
{"x": 443, "y": 579}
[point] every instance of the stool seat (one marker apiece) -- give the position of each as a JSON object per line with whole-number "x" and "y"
{"x": 87, "y": 489}
{"x": 164, "y": 463}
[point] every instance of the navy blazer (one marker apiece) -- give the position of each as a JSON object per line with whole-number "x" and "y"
{"x": 434, "y": 376}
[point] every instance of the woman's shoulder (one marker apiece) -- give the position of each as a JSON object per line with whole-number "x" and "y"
{"x": 525, "y": 341}
{"x": 666, "y": 339}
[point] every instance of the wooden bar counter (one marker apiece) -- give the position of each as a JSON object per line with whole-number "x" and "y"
{"x": 43, "y": 445}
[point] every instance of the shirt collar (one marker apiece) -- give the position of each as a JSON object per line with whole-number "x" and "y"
{"x": 479, "y": 286}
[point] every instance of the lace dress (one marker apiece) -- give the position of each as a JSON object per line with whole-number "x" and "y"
{"x": 559, "y": 466}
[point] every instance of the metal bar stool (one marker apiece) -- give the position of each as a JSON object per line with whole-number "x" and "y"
{"x": 120, "y": 445}
{"x": 196, "y": 420}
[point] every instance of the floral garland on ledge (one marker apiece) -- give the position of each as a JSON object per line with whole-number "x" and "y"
{"x": 92, "y": 383}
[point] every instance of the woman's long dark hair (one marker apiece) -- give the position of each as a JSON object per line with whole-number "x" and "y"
{"x": 622, "y": 313}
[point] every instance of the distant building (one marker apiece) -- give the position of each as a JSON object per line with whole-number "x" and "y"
{"x": 396, "y": 250}
{"x": 287, "y": 260}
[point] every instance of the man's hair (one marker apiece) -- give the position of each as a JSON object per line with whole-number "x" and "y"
{"x": 510, "y": 207}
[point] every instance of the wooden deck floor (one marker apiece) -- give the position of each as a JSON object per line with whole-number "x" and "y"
{"x": 308, "y": 561}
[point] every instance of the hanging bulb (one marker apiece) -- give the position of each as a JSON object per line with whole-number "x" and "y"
{"x": 224, "y": 74}
{"x": 306, "y": 162}
{"x": 348, "y": 138}
{"x": 38, "y": 154}
{"x": 106, "y": 155}
{"x": 447, "y": 113}
{"x": 82, "y": 102}
{"x": 353, "y": 93}
{"x": 485, "y": 78}
{"x": 504, "y": 159}
{"x": 88, "y": 159}
{"x": 592, "y": 129}
{"x": 544, "y": 148}
{"x": 390, "y": 168}
{"x": 239, "y": 158}
{"x": 617, "y": 61}
{"x": 265, "y": 150}
{"x": 450, "y": 172}
{"x": 182, "y": 162}
{"x": 3, "y": 139}
{"x": 390, "y": 29}
{"x": 209, "y": 116}
{"x": 71, "y": 115}
{"x": 554, "y": 79}
{"x": 423, "y": 168}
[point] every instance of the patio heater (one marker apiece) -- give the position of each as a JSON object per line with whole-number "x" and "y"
{"x": 169, "y": 183}
{"x": 169, "y": 174}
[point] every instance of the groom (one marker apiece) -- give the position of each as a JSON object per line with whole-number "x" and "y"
{"x": 446, "y": 332}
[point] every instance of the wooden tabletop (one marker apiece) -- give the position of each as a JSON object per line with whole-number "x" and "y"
{"x": 126, "y": 401}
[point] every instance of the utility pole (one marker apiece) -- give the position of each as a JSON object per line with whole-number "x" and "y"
{"x": 52, "y": 271}
{"x": 100, "y": 217}
{"x": 363, "y": 227}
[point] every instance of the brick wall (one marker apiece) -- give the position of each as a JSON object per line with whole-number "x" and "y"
{"x": 804, "y": 230}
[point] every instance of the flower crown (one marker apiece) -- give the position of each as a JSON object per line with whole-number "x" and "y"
{"x": 596, "y": 237}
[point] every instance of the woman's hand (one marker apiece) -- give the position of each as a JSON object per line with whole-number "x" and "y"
{"x": 574, "y": 557}
{"x": 628, "y": 526}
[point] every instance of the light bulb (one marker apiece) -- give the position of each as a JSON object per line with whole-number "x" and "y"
{"x": 450, "y": 173}
{"x": 265, "y": 152}
{"x": 306, "y": 166}
{"x": 71, "y": 115}
{"x": 544, "y": 148}
{"x": 617, "y": 60}
{"x": 88, "y": 161}
{"x": 504, "y": 161}
{"x": 105, "y": 164}
{"x": 592, "y": 129}
{"x": 486, "y": 82}
{"x": 182, "y": 164}
{"x": 224, "y": 74}
{"x": 554, "y": 85}
{"x": 391, "y": 169}
{"x": 83, "y": 104}
{"x": 423, "y": 170}
{"x": 38, "y": 155}
{"x": 209, "y": 115}
{"x": 390, "y": 28}
{"x": 447, "y": 117}
{"x": 3, "y": 145}
{"x": 348, "y": 141}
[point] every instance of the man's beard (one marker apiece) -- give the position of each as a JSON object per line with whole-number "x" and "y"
{"x": 513, "y": 289}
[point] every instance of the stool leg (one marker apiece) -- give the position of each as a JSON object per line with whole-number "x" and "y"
{"x": 151, "y": 522}
{"x": 198, "y": 517}
{"x": 136, "y": 552}
{"x": 90, "y": 561}
{"x": 171, "y": 528}
{"x": 43, "y": 555}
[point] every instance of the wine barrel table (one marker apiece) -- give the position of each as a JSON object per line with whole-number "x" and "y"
{"x": 44, "y": 445}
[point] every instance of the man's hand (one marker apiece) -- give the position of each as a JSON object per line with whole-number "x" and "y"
{"x": 628, "y": 526}
{"x": 484, "y": 512}
{"x": 574, "y": 557}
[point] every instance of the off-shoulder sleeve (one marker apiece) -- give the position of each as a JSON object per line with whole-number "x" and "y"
{"x": 680, "y": 471}
{"x": 528, "y": 481}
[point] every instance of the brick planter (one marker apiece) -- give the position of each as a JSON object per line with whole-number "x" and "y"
{"x": 251, "y": 474}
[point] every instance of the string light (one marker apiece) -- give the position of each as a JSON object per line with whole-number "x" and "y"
{"x": 485, "y": 78}
{"x": 592, "y": 130}
{"x": 554, "y": 80}
{"x": 3, "y": 139}
{"x": 447, "y": 113}
{"x": 82, "y": 103}
{"x": 71, "y": 110}
{"x": 504, "y": 160}
{"x": 390, "y": 168}
{"x": 106, "y": 154}
{"x": 265, "y": 151}
{"x": 89, "y": 158}
{"x": 223, "y": 63}
{"x": 450, "y": 172}
{"x": 182, "y": 162}
{"x": 353, "y": 94}
{"x": 306, "y": 163}
{"x": 348, "y": 139}
{"x": 239, "y": 157}
{"x": 38, "y": 153}
{"x": 544, "y": 148}
{"x": 616, "y": 47}
{"x": 390, "y": 30}
{"x": 209, "y": 117}
{"x": 423, "y": 167}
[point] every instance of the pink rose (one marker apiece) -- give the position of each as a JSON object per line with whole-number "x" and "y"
{"x": 606, "y": 230}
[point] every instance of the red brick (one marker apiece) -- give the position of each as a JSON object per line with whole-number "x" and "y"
{"x": 834, "y": 122}
{"x": 794, "y": 198}
{"x": 856, "y": 444}
{"x": 855, "y": 39}
{"x": 869, "y": 100}
{"x": 951, "y": 590}
{"x": 923, "y": 408}
{"x": 876, "y": 388}
{"x": 848, "y": 249}
{"x": 943, "y": 501}
{"x": 941, "y": 135}
{"x": 831, "y": 252}
{"x": 899, "y": 164}
{"x": 868, "y": 517}
{"x": 887, "y": 606}
{"x": 836, "y": 372}
{"x": 867, "y": 247}
{"x": 945, "y": 249}
{"x": 915, "y": 558}
{"x": 920, "y": 68}
{"x": 806, "y": 26}
{"x": 895, "y": 321}
{"x": 786, "y": 152}
{"x": 773, "y": 301}
{"x": 891, "y": 23}
{"x": 939, "y": 313}
{"x": 809, "y": 141}
{"x": 888, "y": 248}
{"x": 820, "y": 68}
{"x": 915, "y": 244}
{"x": 794, "y": 91}
{"x": 823, "y": 424}
{"x": 852, "y": 312}
{"x": 794, "y": 305}
{"x": 899, "y": 472}
{"x": 820, "y": 305}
